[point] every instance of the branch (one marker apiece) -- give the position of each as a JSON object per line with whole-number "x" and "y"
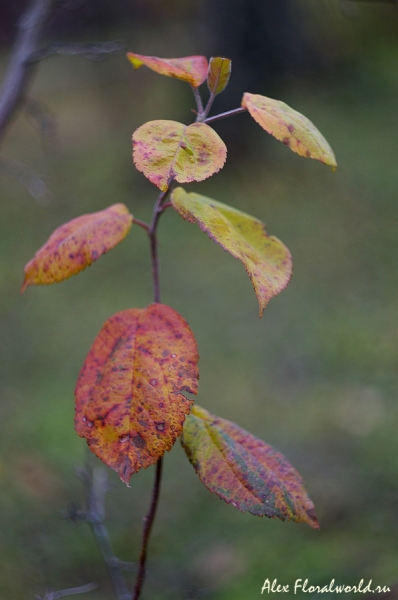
{"x": 92, "y": 51}
{"x": 96, "y": 487}
{"x": 20, "y": 67}
{"x": 51, "y": 595}
{"x": 148, "y": 522}
{"x": 28, "y": 178}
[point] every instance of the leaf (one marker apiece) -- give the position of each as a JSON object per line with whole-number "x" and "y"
{"x": 290, "y": 127}
{"x": 192, "y": 69}
{"x": 130, "y": 405}
{"x": 76, "y": 244}
{"x": 266, "y": 260}
{"x": 243, "y": 470}
{"x": 218, "y": 75}
{"x": 164, "y": 149}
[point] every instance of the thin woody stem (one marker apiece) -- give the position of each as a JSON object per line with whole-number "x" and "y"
{"x": 199, "y": 103}
{"x": 229, "y": 113}
{"x": 152, "y": 232}
{"x": 149, "y": 519}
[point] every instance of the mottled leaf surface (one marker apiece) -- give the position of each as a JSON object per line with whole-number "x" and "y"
{"x": 76, "y": 244}
{"x": 266, "y": 260}
{"x": 219, "y": 73}
{"x": 164, "y": 149}
{"x": 130, "y": 405}
{"x": 192, "y": 69}
{"x": 290, "y": 127}
{"x": 243, "y": 470}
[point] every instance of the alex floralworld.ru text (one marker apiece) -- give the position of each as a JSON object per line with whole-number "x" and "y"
{"x": 302, "y": 585}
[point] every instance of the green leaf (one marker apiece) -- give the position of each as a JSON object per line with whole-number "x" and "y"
{"x": 290, "y": 127}
{"x": 266, "y": 260}
{"x": 243, "y": 470}
{"x": 164, "y": 149}
{"x": 218, "y": 75}
{"x": 130, "y": 402}
{"x": 192, "y": 69}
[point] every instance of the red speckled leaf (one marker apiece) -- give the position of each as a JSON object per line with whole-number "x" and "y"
{"x": 76, "y": 244}
{"x": 243, "y": 470}
{"x": 192, "y": 69}
{"x": 130, "y": 405}
{"x": 164, "y": 149}
{"x": 290, "y": 127}
{"x": 219, "y": 73}
{"x": 266, "y": 260}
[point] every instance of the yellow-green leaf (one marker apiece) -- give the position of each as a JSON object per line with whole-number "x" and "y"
{"x": 77, "y": 244}
{"x": 192, "y": 69}
{"x": 266, "y": 260}
{"x": 243, "y": 470}
{"x": 290, "y": 127}
{"x": 165, "y": 149}
{"x": 130, "y": 403}
{"x": 218, "y": 76}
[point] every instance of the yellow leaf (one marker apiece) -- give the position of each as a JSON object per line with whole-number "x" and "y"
{"x": 76, "y": 244}
{"x": 290, "y": 127}
{"x": 219, "y": 73}
{"x": 266, "y": 260}
{"x": 165, "y": 149}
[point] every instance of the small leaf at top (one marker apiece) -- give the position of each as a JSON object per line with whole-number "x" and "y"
{"x": 266, "y": 260}
{"x": 290, "y": 127}
{"x": 218, "y": 75}
{"x": 164, "y": 149}
{"x": 130, "y": 405}
{"x": 243, "y": 470}
{"x": 192, "y": 69}
{"x": 76, "y": 244}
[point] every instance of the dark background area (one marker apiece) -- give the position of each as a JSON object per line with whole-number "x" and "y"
{"x": 316, "y": 377}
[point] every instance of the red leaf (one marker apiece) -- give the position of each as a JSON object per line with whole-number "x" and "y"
{"x": 192, "y": 69}
{"x": 245, "y": 471}
{"x": 130, "y": 405}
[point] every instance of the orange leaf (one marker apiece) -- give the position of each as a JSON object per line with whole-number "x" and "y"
{"x": 192, "y": 69}
{"x": 243, "y": 470}
{"x": 130, "y": 405}
{"x": 76, "y": 244}
{"x": 290, "y": 127}
{"x": 164, "y": 149}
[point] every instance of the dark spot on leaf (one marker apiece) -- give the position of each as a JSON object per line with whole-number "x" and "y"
{"x": 290, "y": 128}
{"x": 286, "y": 141}
{"x": 138, "y": 441}
{"x": 160, "y": 426}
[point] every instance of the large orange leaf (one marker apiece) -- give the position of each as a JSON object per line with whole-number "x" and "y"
{"x": 164, "y": 149}
{"x": 243, "y": 470}
{"x": 266, "y": 260}
{"x": 76, "y": 244}
{"x": 130, "y": 405}
{"x": 192, "y": 69}
{"x": 290, "y": 127}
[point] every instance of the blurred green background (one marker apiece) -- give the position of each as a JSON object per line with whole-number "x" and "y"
{"x": 316, "y": 377}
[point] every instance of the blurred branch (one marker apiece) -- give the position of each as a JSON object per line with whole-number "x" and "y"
{"x": 21, "y": 67}
{"x": 51, "y": 595}
{"x": 28, "y": 178}
{"x": 44, "y": 123}
{"x": 93, "y": 51}
{"x": 95, "y": 484}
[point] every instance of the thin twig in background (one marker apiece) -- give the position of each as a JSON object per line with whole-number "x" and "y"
{"x": 90, "y": 50}
{"x": 95, "y": 483}
{"x": 25, "y": 176}
{"x": 51, "y": 595}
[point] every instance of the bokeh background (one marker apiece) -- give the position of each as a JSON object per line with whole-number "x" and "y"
{"x": 316, "y": 377}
